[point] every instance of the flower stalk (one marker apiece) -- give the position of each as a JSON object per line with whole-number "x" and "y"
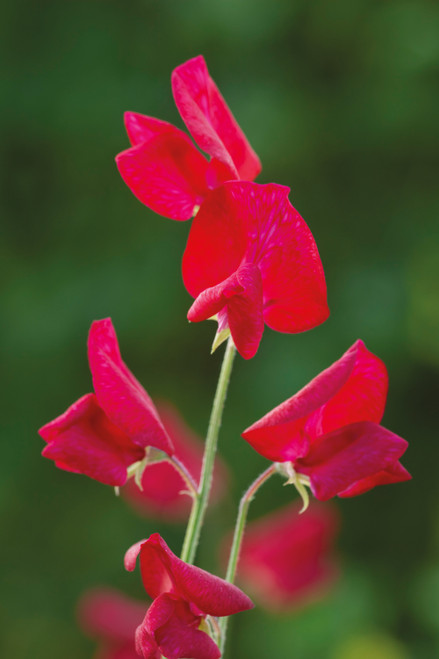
{"x": 200, "y": 501}
{"x": 238, "y": 534}
{"x": 186, "y": 476}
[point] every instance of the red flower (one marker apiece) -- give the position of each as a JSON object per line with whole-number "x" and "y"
{"x": 112, "y": 618}
{"x": 285, "y": 557}
{"x": 251, "y": 258}
{"x": 162, "y": 485}
{"x": 102, "y": 434}
{"x": 328, "y": 433}
{"x": 164, "y": 169}
{"x": 185, "y": 599}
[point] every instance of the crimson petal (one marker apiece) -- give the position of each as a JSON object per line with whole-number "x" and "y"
{"x": 141, "y": 128}
{"x": 394, "y": 474}
{"x": 352, "y": 389}
{"x": 362, "y": 397}
{"x": 243, "y": 222}
{"x": 175, "y": 630}
{"x": 166, "y": 173}
{"x": 210, "y": 121}
{"x": 209, "y": 593}
{"x": 256, "y": 223}
{"x": 155, "y": 575}
{"x": 338, "y": 460}
{"x": 145, "y": 643}
{"x": 120, "y": 395}
{"x": 84, "y": 440}
{"x": 240, "y": 298}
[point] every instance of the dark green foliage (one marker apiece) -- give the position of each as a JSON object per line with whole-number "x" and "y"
{"x": 340, "y": 101}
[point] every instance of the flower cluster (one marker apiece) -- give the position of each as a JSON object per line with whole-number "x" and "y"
{"x": 328, "y": 434}
{"x": 184, "y": 597}
{"x": 250, "y": 257}
{"x": 164, "y": 169}
{"x": 250, "y": 261}
{"x": 103, "y": 434}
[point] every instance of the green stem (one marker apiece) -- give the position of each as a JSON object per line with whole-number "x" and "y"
{"x": 200, "y": 501}
{"x": 238, "y": 535}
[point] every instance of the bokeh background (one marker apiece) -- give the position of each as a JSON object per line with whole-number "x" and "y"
{"x": 340, "y": 101}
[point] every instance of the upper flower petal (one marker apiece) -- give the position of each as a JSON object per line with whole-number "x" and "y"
{"x": 243, "y": 222}
{"x": 341, "y": 458}
{"x": 141, "y": 128}
{"x": 165, "y": 172}
{"x": 210, "y": 121}
{"x": 362, "y": 397}
{"x": 396, "y": 473}
{"x": 84, "y": 440}
{"x": 353, "y": 388}
{"x": 175, "y": 630}
{"x": 120, "y": 395}
{"x": 210, "y": 594}
{"x": 240, "y": 298}
{"x": 285, "y": 557}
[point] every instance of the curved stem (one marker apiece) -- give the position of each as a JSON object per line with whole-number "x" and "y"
{"x": 186, "y": 476}
{"x": 238, "y": 535}
{"x": 200, "y": 501}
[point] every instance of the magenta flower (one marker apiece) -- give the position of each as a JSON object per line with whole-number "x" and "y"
{"x": 328, "y": 434}
{"x": 251, "y": 259}
{"x": 164, "y": 169}
{"x": 112, "y": 618}
{"x": 186, "y": 601}
{"x": 162, "y": 486}
{"x": 104, "y": 433}
{"x": 286, "y": 558}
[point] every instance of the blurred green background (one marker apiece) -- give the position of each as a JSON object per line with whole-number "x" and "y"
{"x": 340, "y": 101}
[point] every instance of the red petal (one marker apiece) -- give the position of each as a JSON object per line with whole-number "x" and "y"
{"x": 240, "y": 298}
{"x": 130, "y": 558}
{"x": 166, "y": 173}
{"x": 209, "y": 593}
{"x": 120, "y": 395}
{"x": 338, "y": 460}
{"x": 362, "y": 397}
{"x": 109, "y": 614}
{"x": 175, "y": 631}
{"x": 85, "y": 441}
{"x": 394, "y": 474}
{"x": 210, "y": 121}
{"x": 292, "y": 272}
{"x": 243, "y": 222}
{"x": 141, "y": 128}
{"x": 285, "y": 557}
{"x": 352, "y": 389}
{"x": 162, "y": 486}
{"x": 146, "y": 645}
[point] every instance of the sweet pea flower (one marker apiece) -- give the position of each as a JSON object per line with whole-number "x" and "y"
{"x": 162, "y": 487}
{"x": 328, "y": 437}
{"x": 186, "y": 602}
{"x": 112, "y": 618}
{"x": 164, "y": 169}
{"x": 286, "y": 559}
{"x": 251, "y": 259}
{"x": 103, "y": 434}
